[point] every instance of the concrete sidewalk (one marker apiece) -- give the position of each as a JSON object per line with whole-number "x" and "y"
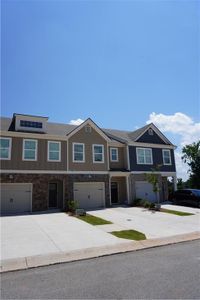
{"x": 61, "y": 257}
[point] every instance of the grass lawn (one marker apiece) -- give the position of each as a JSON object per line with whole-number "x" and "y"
{"x": 130, "y": 235}
{"x": 175, "y": 212}
{"x": 94, "y": 220}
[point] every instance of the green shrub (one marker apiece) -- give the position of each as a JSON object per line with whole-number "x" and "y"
{"x": 137, "y": 202}
{"x": 72, "y": 205}
{"x": 152, "y": 206}
{"x": 146, "y": 204}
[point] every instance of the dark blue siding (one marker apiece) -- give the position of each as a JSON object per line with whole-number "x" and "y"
{"x": 151, "y": 139}
{"x": 157, "y": 160}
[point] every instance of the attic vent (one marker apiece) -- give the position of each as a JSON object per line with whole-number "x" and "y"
{"x": 88, "y": 129}
{"x": 150, "y": 131}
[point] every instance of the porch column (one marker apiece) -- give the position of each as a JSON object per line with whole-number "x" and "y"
{"x": 127, "y": 189}
{"x": 110, "y": 189}
{"x": 175, "y": 182}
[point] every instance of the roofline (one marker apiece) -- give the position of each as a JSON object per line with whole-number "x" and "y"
{"x": 160, "y": 134}
{"x": 93, "y": 124}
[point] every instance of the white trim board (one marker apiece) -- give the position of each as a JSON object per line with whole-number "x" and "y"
{"x": 50, "y": 172}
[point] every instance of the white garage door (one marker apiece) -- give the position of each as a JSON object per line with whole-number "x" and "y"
{"x": 89, "y": 194}
{"x": 144, "y": 191}
{"x": 16, "y": 198}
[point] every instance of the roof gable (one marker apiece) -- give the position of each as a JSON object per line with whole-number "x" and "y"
{"x": 93, "y": 125}
{"x": 153, "y": 137}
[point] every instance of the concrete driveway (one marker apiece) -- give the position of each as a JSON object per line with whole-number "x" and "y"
{"x": 152, "y": 224}
{"x": 29, "y": 235}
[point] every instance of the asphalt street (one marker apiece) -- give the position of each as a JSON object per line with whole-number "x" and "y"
{"x": 169, "y": 272}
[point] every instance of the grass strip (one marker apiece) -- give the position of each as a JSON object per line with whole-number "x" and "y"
{"x": 175, "y": 212}
{"x": 93, "y": 220}
{"x": 129, "y": 234}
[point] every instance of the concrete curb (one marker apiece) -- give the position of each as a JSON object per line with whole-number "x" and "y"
{"x": 61, "y": 257}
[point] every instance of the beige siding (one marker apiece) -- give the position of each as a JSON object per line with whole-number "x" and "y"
{"x": 16, "y": 162}
{"x": 88, "y": 139}
{"x": 122, "y": 161}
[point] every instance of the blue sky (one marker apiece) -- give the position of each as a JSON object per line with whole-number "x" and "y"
{"x": 114, "y": 61}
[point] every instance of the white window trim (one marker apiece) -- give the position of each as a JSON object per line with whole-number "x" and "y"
{"x": 145, "y": 163}
{"x": 59, "y": 152}
{"x": 93, "y": 154}
{"x": 9, "y": 149}
{"x": 36, "y": 150}
{"x": 78, "y": 161}
{"x": 114, "y": 160}
{"x": 166, "y": 164}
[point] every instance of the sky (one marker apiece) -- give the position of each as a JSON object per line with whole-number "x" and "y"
{"x": 122, "y": 63}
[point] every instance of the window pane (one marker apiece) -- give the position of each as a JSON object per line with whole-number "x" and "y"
{"x": 54, "y": 155}
{"x": 4, "y": 143}
{"x": 98, "y": 157}
{"x": 4, "y": 153}
{"x": 78, "y": 148}
{"x": 140, "y": 152}
{"x": 98, "y": 149}
{"x": 29, "y": 154}
{"x": 30, "y": 144}
{"x": 147, "y": 152}
{"x": 54, "y": 146}
{"x": 78, "y": 156}
{"x": 148, "y": 159}
{"x": 141, "y": 159}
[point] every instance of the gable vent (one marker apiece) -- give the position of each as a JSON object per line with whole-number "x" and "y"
{"x": 88, "y": 129}
{"x": 150, "y": 131}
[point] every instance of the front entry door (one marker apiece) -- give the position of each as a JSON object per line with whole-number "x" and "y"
{"x": 53, "y": 195}
{"x": 114, "y": 192}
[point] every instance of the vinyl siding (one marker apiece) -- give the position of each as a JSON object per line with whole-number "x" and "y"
{"x": 122, "y": 159}
{"x": 88, "y": 139}
{"x": 151, "y": 139}
{"x": 157, "y": 160}
{"x": 16, "y": 162}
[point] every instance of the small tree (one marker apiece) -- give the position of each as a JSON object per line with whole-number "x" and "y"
{"x": 191, "y": 156}
{"x": 153, "y": 179}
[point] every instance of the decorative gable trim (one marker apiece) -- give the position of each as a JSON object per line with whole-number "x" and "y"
{"x": 93, "y": 125}
{"x": 157, "y": 131}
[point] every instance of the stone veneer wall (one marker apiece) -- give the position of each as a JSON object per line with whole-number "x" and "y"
{"x": 40, "y": 186}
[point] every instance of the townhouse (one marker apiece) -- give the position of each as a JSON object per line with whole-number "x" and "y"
{"x": 44, "y": 164}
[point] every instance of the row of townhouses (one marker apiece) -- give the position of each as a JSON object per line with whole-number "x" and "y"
{"x": 44, "y": 164}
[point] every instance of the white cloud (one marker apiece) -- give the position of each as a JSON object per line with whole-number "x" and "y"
{"x": 182, "y": 127}
{"x": 76, "y": 122}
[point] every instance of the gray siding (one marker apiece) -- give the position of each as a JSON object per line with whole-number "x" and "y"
{"x": 152, "y": 139}
{"x": 157, "y": 160}
{"x": 16, "y": 162}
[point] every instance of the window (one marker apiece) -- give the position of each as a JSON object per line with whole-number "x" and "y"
{"x": 54, "y": 151}
{"x": 78, "y": 152}
{"x": 32, "y": 124}
{"x": 5, "y": 148}
{"x": 29, "y": 150}
{"x": 166, "y": 157}
{"x": 98, "y": 153}
{"x": 144, "y": 156}
{"x": 113, "y": 154}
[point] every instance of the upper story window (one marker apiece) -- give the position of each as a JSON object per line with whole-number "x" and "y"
{"x": 78, "y": 152}
{"x": 30, "y": 124}
{"x": 5, "y": 148}
{"x": 29, "y": 150}
{"x": 54, "y": 151}
{"x": 166, "y": 157}
{"x": 114, "y": 154}
{"x": 98, "y": 153}
{"x": 144, "y": 156}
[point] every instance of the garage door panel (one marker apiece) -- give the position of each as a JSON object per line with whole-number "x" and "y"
{"x": 144, "y": 190}
{"x": 15, "y": 198}
{"x": 90, "y": 194}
